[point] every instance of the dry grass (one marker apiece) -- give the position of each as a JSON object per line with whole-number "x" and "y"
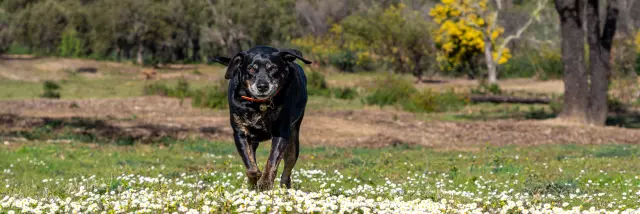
{"x": 369, "y": 127}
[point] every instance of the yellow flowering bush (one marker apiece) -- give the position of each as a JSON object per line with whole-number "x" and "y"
{"x": 463, "y": 25}
{"x": 638, "y": 42}
{"x": 319, "y": 48}
{"x": 334, "y": 49}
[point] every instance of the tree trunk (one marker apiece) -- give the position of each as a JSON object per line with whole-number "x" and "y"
{"x": 576, "y": 86}
{"x": 625, "y": 17}
{"x": 195, "y": 57}
{"x": 599, "y": 64}
{"x": 491, "y": 64}
{"x": 118, "y": 54}
{"x": 139, "y": 55}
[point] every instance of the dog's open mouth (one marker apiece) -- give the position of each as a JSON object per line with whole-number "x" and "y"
{"x": 263, "y": 97}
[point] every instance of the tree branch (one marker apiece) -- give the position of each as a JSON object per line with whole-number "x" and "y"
{"x": 499, "y": 4}
{"x": 520, "y": 31}
{"x": 610, "y": 24}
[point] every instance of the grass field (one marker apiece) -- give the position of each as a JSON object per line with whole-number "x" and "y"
{"x": 199, "y": 175}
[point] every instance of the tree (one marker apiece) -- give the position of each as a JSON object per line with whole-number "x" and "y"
{"x": 576, "y": 89}
{"x": 600, "y": 43}
{"x": 626, "y": 21}
{"x": 127, "y": 27}
{"x": 186, "y": 18}
{"x": 236, "y": 25}
{"x": 317, "y": 16}
{"x": 585, "y": 98}
{"x": 41, "y": 25}
{"x": 396, "y": 36}
{"x": 5, "y": 34}
{"x": 469, "y": 28}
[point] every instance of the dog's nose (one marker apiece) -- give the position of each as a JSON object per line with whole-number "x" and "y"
{"x": 263, "y": 87}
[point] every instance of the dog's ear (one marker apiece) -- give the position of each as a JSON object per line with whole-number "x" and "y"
{"x": 222, "y": 60}
{"x": 291, "y": 55}
{"x": 233, "y": 64}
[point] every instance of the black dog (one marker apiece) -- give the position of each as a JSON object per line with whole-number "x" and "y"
{"x": 267, "y": 99}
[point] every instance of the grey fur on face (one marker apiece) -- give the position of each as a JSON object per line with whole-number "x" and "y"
{"x": 262, "y": 74}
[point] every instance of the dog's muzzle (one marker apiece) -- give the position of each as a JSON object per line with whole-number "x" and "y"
{"x": 262, "y": 90}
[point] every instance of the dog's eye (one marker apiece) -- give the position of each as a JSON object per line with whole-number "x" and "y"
{"x": 253, "y": 68}
{"x": 273, "y": 68}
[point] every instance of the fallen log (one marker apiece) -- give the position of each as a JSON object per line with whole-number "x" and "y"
{"x": 508, "y": 99}
{"x": 92, "y": 70}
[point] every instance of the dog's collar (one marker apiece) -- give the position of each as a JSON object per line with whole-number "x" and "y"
{"x": 256, "y": 100}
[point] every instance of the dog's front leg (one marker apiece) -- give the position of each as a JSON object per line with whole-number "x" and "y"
{"x": 248, "y": 158}
{"x": 278, "y": 146}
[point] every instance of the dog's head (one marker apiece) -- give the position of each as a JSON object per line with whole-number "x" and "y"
{"x": 263, "y": 70}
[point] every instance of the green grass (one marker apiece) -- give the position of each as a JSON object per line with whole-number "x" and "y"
{"x": 491, "y": 111}
{"x": 73, "y": 89}
{"x": 550, "y": 169}
{"x": 80, "y": 88}
{"x": 321, "y": 102}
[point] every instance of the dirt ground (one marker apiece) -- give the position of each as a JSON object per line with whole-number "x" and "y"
{"x": 151, "y": 118}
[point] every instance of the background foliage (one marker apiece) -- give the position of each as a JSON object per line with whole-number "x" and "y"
{"x": 418, "y": 37}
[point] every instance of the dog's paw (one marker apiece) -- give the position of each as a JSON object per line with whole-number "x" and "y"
{"x": 254, "y": 173}
{"x": 264, "y": 185}
{"x": 286, "y": 183}
{"x": 253, "y": 176}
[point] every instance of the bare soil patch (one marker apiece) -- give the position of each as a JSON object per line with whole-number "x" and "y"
{"x": 149, "y": 119}
{"x": 513, "y": 85}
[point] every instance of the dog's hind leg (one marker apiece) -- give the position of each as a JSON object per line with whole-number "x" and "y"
{"x": 291, "y": 156}
{"x": 247, "y": 153}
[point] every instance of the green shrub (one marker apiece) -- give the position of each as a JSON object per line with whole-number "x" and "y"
{"x": 394, "y": 90}
{"x": 346, "y": 93}
{"x": 637, "y": 68}
{"x": 547, "y": 65}
{"x": 430, "y": 101}
{"x": 556, "y": 104}
{"x": 614, "y": 105}
{"x": 487, "y": 89}
{"x": 71, "y": 45}
{"x": 50, "y": 90}
{"x": 390, "y": 90}
{"x": 344, "y": 60}
{"x": 182, "y": 88}
{"x": 316, "y": 80}
{"x": 212, "y": 96}
{"x": 317, "y": 86}
{"x": 156, "y": 88}
{"x": 518, "y": 67}
{"x": 318, "y": 92}
{"x": 16, "y": 48}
